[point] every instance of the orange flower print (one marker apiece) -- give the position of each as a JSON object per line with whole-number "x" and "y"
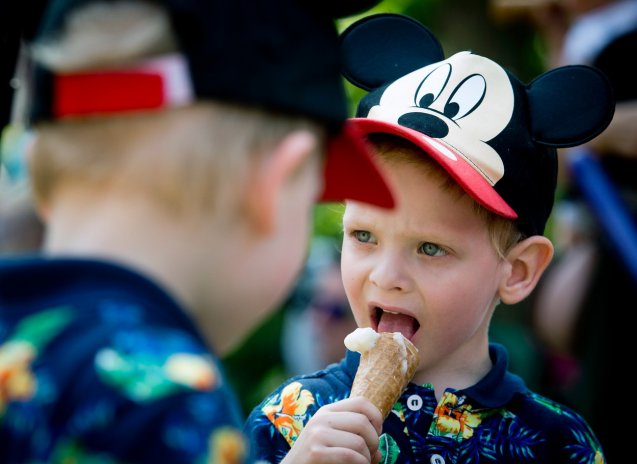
{"x": 227, "y": 446}
{"x": 453, "y": 419}
{"x": 287, "y": 416}
{"x": 16, "y": 379}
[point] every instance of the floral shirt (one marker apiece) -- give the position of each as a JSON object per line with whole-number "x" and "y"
{"x": 99, "y": 365}
{"x": 497, "y": 420}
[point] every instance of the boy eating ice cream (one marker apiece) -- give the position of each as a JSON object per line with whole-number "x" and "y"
{"x": 471, "y": 154}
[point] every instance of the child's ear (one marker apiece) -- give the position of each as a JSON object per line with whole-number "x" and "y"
{"x": 271, "y": 173}
{"x": 527, "y": 262}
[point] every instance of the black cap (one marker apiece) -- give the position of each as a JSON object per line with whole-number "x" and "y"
{"x": 278, "y": 54}
{"x": 496, "y": 136}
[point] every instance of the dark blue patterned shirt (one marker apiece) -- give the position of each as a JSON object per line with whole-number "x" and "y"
{"x": 98, "y": 364}
{"x": 498, "y": 420}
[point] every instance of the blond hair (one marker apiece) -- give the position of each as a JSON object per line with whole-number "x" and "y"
{"x": 503, "y": 232}
{"x": 183, "y": 157}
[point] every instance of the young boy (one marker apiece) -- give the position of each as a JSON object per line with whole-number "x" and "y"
{"x": 178, "y": 152}
{"x": 470, "y": 153}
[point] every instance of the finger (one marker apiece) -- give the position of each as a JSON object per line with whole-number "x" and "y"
{"x": 362, "y": 406}
{"x": 323, "y": 455}
{"x": 353, "y": 442}
{"x": 354, "y": 423}
{"x": 338, "y": 456}
{"x": 342, "y": 429}
{"x": 322, "y": 444}
{"x": 339, "y": 417}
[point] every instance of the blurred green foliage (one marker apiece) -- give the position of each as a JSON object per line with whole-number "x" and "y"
{"x": 257, "y": 367}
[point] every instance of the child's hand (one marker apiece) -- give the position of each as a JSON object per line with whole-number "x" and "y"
{"x": 343, "y": 432}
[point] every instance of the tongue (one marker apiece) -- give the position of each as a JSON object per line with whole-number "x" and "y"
{"x": 402, "y": 323}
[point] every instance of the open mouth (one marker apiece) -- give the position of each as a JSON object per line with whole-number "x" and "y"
{"x": 384, "y": 320}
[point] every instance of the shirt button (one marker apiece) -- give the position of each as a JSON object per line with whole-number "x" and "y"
{"x": 414, "y": 402}
{"x": 437, "y": 459}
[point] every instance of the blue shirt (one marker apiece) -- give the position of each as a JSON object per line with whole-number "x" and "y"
{"x": 99, "y": 364}
{"x": 498, "y": 420}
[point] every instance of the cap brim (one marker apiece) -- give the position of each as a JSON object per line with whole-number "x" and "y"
{"x": 351, "y": 173}
{"x": 451, "y": 161}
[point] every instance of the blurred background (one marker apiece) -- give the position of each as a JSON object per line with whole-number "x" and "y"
{"x": 567, "y": 340}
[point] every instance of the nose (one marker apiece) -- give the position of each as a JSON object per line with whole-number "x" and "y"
{"x": 428, "y": 124}
{"x": 389, "y": 272}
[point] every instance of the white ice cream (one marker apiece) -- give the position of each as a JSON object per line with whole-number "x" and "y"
{"x": 364, "y": 339}
{"x": 361, "y": 339}
{"x": 400, "y": 340}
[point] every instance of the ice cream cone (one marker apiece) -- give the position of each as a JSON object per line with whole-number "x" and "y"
{"x": 385, "y": 370}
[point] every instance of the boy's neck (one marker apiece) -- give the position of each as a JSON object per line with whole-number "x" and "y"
{"x": 459, "y": 370}
{"x": 132, "y": 231}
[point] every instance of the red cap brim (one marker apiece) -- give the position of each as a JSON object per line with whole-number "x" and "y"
{"x": 462, "y": 171}
{"x": 351, "y": 173}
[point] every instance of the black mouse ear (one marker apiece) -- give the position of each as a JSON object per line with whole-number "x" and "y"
{"x": 381, "y": 48}
{"x": 570, "y": 105}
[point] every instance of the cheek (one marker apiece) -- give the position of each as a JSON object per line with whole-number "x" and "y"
{"x": 463, "y": 304}
{"x": 276, "y": 280}
{"x": 292, "y": 252}
{"x": 354, "y": 282}
{"x": 312, "y": 179}
{"x": 286, "y": 255}
{"x": 297, "y": 226}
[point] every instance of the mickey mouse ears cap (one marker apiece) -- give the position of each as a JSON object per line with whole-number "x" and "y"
{"x": 281, "y": 55}
{"x": 494, "y": 135}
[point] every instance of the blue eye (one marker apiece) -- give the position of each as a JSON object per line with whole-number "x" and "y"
{"x": 362, "y": 236}
{"x": 431, "y": 249}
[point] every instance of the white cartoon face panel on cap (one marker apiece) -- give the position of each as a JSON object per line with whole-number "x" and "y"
{"x": 463, "y": 101}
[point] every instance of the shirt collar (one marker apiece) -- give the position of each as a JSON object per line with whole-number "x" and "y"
{"x": 499, "y": 385}
{"x": 493, "y": 391}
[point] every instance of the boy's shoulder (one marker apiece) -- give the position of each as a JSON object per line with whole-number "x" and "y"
{"x": 95, "y": 319}
{"x": 315, "y": 389}
{"x": 72, "y": 331}
{"x": 274, "y": 425}
{"x": 84, "y": 286}
{"x": 558, "y": 423}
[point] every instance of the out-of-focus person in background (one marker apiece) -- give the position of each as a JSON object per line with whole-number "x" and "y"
{"x": 580, "y": 306}
{"x": 178, "y": 150}
{"x": 21, "y": 227}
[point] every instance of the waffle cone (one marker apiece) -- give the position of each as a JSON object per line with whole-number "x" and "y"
{"x": 384, "y": 371}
